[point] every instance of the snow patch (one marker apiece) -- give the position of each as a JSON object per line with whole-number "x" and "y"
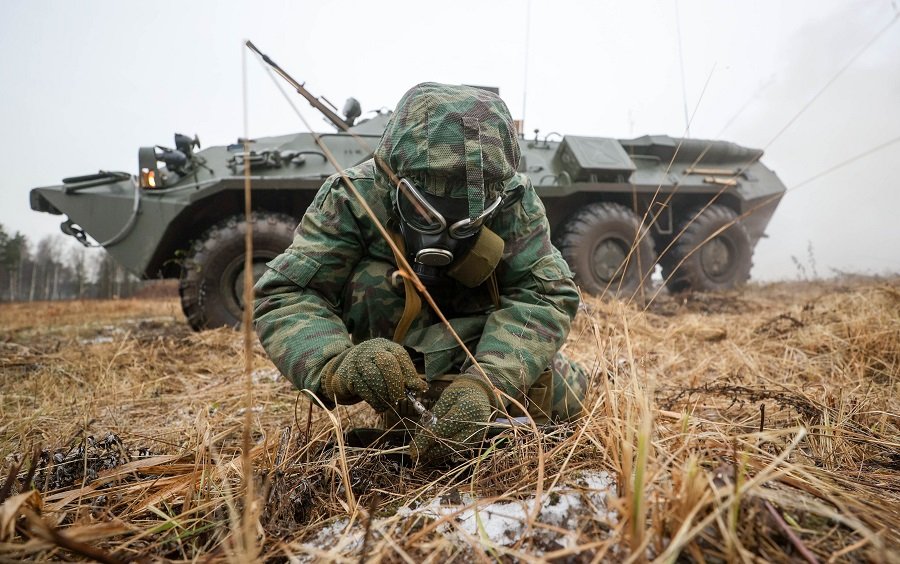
{"x": 269, "y": 374}
{"x": 99, "y": 339}
{"x": 503, "y": 523}
{"x": 500, "y": 523}
{"x": 111, "y": 332}
{"x": 335, "y": 539}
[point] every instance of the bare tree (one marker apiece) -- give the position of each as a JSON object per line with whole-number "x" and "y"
{"x": 78, "y": 262}
{"x": 58, "y": 269}
{"x": 13, "y": 250}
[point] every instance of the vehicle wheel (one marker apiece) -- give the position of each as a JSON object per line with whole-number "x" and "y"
{"x": 722, "y": 263}
{"x": 596, "y": 242}
{"x": 211, "y": 285}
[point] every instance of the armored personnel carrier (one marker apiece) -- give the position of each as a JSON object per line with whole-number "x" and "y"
{"x": 617, "y": 208}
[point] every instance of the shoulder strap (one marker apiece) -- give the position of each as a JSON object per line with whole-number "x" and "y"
{"x": 412, "y": 304}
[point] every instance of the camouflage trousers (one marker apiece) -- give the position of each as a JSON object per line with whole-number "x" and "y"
{"x": 374, "y": 302}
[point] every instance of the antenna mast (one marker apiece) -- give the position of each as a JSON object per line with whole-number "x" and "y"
{"x": 687, "y": 121}
{"x": 525, "y": 66}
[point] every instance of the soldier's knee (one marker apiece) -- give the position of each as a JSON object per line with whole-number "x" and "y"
{"x": 570, "y": 382}
{"x": 558, "y": 394}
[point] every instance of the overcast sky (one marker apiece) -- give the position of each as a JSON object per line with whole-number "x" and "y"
{"x": 84, "y": 84}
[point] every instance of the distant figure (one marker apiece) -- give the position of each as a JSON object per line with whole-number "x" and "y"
{"x": 337, "y": 319}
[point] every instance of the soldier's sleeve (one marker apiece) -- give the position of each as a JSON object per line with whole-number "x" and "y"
{"x": 298, "y": 300}
{"x": 538, "y": 301}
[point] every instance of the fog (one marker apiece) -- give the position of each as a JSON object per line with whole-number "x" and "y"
{"x": 82, "y": 86}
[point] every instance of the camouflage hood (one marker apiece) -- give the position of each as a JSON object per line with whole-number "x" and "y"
{"x": 455, "y": 141}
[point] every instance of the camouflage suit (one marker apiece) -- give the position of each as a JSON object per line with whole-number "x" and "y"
{"x": 335, "y": 285}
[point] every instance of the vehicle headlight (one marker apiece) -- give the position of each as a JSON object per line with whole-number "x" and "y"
{"x": 147, "y": 163}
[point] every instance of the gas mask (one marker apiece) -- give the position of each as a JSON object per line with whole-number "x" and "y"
{"x": 440, "y": 247}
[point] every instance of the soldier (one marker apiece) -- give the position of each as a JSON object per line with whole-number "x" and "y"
{"x": 339, "y": 321}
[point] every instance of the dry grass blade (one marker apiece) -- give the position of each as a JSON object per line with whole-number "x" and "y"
{"x": 13, "y": 508}
{"x": 39, "y": 528}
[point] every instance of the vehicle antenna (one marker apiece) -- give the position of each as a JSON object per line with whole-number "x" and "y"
{"x": 687, "y": 122}
{"x": 832, "y": 80}
{"x": 525, "y": 64}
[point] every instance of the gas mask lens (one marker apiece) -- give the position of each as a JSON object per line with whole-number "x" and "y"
{"x": 420, "y": 215}
{"x": 468, "y": 227}
{"x": 416, "y": 212}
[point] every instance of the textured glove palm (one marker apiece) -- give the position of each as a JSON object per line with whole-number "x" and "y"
{"x": 377, "y": 371}
{"x": 461, "y": 411}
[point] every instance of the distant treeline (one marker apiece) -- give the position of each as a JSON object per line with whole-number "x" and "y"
{"x": 58, "y": 269}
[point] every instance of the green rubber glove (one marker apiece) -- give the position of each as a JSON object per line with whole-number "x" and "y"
{"x": 377, "y": 371}
{"x": 462, "y": 411}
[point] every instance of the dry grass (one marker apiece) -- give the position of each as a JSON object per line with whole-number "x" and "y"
{"x": 756, "y": 426}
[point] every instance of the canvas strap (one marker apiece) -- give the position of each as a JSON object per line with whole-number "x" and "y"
{"x": 412, "y": 304}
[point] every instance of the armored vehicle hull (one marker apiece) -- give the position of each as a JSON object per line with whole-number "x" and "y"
{"x": 617, "y": 208}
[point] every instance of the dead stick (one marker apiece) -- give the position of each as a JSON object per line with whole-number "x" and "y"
{"x": 370, "y": 516}
{"x": 792, "y": 536}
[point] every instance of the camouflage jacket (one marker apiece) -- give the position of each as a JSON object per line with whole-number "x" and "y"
{"x": 299, "y": 300}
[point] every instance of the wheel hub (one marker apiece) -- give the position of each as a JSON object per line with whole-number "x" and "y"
{"x": 716, "y": 257}
{"x": 607, "y": 259}
{"x": 259, "y": 268}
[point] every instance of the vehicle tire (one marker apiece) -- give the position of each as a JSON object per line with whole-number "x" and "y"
{"x": 722, "y": 263}
{"x": 211, "y": 285}
{"x": 596, "y": 242}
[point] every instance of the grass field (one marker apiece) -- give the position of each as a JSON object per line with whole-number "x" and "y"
{"x": 754, "y": 426}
